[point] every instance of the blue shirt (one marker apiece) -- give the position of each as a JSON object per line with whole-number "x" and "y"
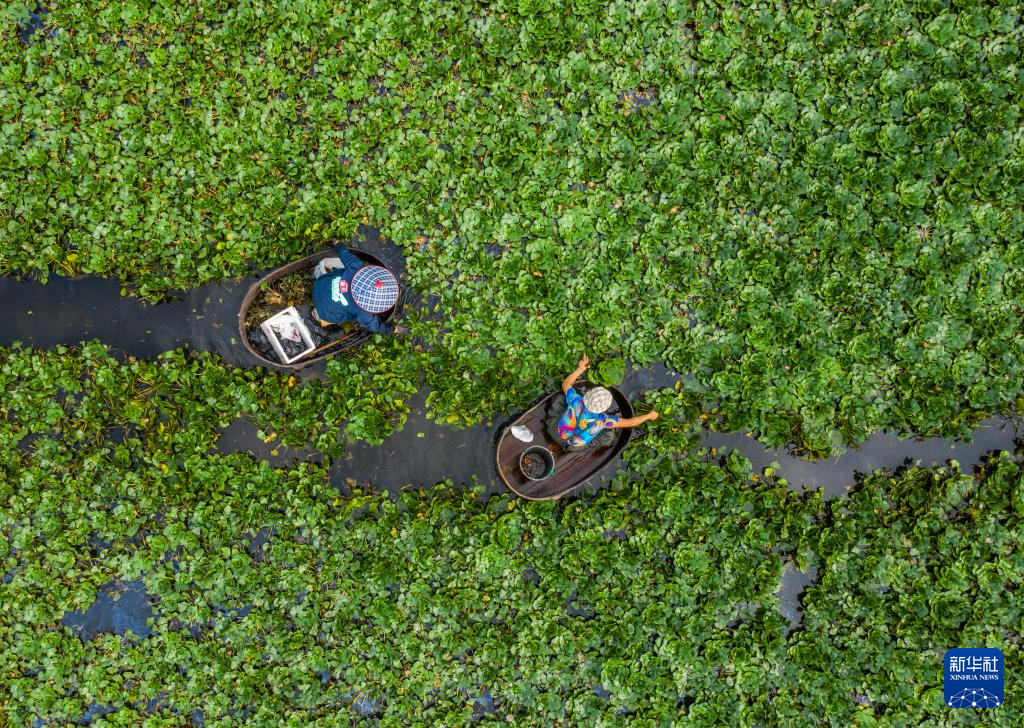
{"x": 579, "y": 425}
{"x": 332, "y": 296}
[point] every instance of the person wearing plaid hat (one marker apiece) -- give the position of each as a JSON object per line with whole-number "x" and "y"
{"x": 349, "y": 289}
{"x": 577, "y": 423}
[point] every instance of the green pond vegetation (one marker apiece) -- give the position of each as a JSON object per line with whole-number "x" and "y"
{"x": 814, "y": 209}
{"x": 648, "y": 602}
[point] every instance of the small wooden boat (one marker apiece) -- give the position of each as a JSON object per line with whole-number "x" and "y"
{"x": 347, "y": 336}
{"x": 571, "y": 468}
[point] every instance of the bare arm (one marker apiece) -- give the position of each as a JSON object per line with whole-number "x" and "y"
{"x": 634, "y": 421}
{"x": 571, "y": 379}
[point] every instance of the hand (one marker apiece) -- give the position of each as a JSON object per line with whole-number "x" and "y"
{"x": 652, "y": 415}
{"x": 584, "y": 362}
{"x": 400, "y": 330}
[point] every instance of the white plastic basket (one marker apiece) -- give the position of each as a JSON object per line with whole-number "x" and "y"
{"x": 282, "y": 322}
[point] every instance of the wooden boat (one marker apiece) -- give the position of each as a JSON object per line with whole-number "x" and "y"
{"x": 571, "y": 468}
{"x": 348, "y": 336}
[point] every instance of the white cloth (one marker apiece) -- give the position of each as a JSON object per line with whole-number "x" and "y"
{"x": 326, "y": 266}
{"x": 522, "y": 433}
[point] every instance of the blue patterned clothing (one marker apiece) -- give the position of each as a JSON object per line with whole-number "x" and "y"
{"x": 332, "y": 296}
{"x": 579, "y": 425}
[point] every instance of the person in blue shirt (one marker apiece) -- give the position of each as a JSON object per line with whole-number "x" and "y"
{"x": 349, "y": 289}
{"x": 578, "y": 422}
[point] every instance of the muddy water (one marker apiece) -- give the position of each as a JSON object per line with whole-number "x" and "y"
{"x": 424, "y": 453}
{"x": 421, "y": 454}
{"x": 790, "y": 592}
{"x": 240, "y": 436}
{"x": 67, "y": 311}
{"x": 71, "y": 310}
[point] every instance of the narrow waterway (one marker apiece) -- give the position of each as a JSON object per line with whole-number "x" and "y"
{"x": 69, "y": 311}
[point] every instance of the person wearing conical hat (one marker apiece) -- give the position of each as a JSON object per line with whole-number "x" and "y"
{"x": 349, "y": 289}
{"x": 577, "y": 422}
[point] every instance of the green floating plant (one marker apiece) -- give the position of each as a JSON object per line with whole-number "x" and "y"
{"x": 816, "y": 210}
{"x": 273, "y": 597}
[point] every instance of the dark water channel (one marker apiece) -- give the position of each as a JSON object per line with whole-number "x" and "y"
{"x": 68, "y": 311}
{"x": 71, "y": 310}
{"x": 120, "y": 607}
{"x": 424, "y": 453}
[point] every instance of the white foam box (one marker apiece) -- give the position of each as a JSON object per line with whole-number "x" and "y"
{"x": 287, "y": 318}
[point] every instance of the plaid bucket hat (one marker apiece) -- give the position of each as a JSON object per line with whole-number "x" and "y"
{"x": 374, "y": 288}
